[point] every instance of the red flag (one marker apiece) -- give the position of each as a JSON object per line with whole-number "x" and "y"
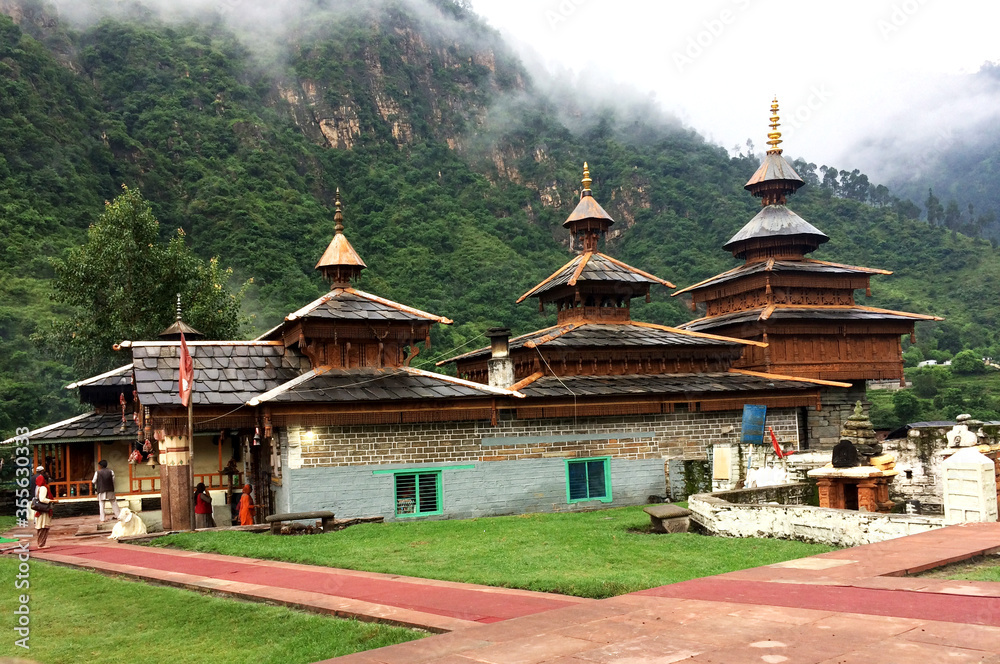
{"x": 186, "y": 378}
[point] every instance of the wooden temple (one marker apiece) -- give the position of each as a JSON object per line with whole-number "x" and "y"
{"x": 802, "y": 310}
{"x": 601, "y": 362}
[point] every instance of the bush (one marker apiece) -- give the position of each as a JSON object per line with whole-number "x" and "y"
{"x": 968, "y": 362}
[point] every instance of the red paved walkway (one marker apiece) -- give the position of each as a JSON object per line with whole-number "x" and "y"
{"x": 852, "y": 606}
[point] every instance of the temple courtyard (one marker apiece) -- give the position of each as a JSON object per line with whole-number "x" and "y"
{"x": 859, "y": 604}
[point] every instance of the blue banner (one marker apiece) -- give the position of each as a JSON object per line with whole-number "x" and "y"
{"x": 753, "y": 425}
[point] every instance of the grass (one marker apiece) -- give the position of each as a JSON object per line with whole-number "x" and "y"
{"x": 78, "y": 616}
{"x": 589, "y": 554}
{"x": 986, "y": 568}
{"x": 7, "y": 523}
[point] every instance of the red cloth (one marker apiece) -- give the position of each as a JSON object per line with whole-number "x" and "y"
{"x": 200, "y": 506}
{"x": 185, "y": 379}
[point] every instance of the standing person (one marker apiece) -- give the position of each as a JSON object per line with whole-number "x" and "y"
{"x": 43, "y": 518}
{"x": 40, "y": 470}
{"x": 246, "y": 506}
{"x": 104, "y": 487}
{"x": 203, "y": 508}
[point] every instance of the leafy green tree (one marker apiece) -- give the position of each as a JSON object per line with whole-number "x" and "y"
{"x": 122, "y": 285}
{"x": 906, "y": 406}
{"x": 927, "y": 381}
{"x": 968, "y": 362}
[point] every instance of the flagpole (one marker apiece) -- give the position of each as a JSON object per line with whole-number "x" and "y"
{"x": 191, "y": 454}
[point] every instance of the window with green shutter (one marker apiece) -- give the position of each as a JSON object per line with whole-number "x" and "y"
{"x": 588, "y": 479}
{"x": 418, "y": 494}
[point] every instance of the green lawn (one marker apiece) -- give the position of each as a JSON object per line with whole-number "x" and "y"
{"x": 78, "y": 616}
{"x": 589, "y": 554}
{"x": 980, "y": 569}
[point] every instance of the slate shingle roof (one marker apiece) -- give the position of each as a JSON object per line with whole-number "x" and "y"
{"x": 596, "y": 267}
{"x": 114, "y": 378}
{"x": 605, "y": 335}
{"x": 89, "y": 426}
{"x": 775, "y": 221}
{"x": 373, "y": 384}
{"x": 669, "y": 384}
{"x": 792, "y": 312}
{"x": 807, "y": 266}
{"x": 225, "y": 373}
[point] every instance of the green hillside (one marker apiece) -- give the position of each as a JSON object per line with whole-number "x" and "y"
{"x": 455, "y": 169}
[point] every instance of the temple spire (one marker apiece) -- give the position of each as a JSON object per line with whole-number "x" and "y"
{"x": 338, "y": 215}
{"x": 588, "y": 221}
{"x": 173, "y": 332}
{"x": 774, "y": 136}
{"x": 775, "y": 179}
{"x": 340, "y": 264}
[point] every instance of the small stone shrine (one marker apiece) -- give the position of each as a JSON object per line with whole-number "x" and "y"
{"x": 859, "y": 474}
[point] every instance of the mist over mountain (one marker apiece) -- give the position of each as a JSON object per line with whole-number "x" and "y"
{"x": 949, "y": 141}
{"x": 457, "y": 163}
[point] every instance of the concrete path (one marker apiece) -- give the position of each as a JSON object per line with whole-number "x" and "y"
{"x": 852, "y": 606}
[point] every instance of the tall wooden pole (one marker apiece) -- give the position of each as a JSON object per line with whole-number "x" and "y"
{"x": 191, "y": 453}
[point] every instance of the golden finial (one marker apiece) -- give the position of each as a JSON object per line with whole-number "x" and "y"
{"x": 338, "y": 216}
{"x": 586, "y": 177}
{"x": 774, "y": 136}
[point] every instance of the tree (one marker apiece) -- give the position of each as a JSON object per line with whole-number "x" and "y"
{"x": 122, "y": 285}
{"x": 935, "y": 211}
{"x": 968, "y": 362}
{"x": 906, "y": 405}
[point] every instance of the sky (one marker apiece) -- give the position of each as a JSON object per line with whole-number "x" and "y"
{"x": 851, "y": 76}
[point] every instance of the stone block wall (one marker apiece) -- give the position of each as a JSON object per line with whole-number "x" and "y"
{"x": 488, "y": 489}
{"x": 918, "y": 459}
{"x": 519, "y": 465}
{"x": 802, "y": 522}
{"x": 823, "y": 426}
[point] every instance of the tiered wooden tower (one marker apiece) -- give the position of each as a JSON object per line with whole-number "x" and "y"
{"x": 802, "y": 308}
{"x": 348, "y": 328}
{"x": 594, "y": 332}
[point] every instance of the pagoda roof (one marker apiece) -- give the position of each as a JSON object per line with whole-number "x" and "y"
{"x": 226, "y": 373}
{"x": 339, "y": 253}
{"x": 594, "y": 267}
{"x": 806, "y": 265}
{"x": 351, "y": 304}
{"x": 800, "y": 312}
{"x": 114, "y": 378}
{"x": 632, "y": 334}
{"x": 666, "y": 384}
{"x": 776, "y": 221}
{"x": 774, "y": 168}
{"x": 587, "y": 208}
{"x": 327, "y": 385}
{"x": 179, "y": 327}
{"x": 91, "y": 426}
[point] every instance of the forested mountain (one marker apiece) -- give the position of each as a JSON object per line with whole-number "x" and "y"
{"x": 455, "y": 166}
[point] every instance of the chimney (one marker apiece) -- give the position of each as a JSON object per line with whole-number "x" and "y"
{"x": 500, "y": 365}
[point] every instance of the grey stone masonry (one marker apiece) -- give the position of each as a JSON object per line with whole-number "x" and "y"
{"x": 666, "y": 436}
{"x": 823, "y": 426}
{"x": 514, "y": 467}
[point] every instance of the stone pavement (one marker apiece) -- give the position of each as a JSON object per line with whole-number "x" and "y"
{"x": 852, "y": 606}
{"x": 845, "y": 607}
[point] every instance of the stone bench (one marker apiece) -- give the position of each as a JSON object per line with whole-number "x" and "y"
{"x": 277, "y": 519}
{"x": 668, "y": 518}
